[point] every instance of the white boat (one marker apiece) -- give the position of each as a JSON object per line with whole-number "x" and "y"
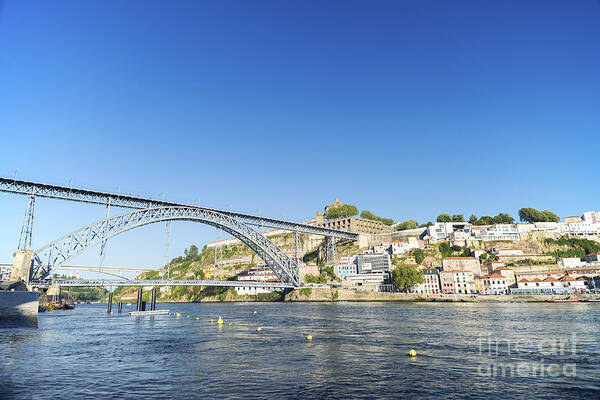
{"x": 142, "y": 313}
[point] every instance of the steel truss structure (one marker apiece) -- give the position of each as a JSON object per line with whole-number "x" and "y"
{"x": 27, "y": 227}
{"x": 55, "y": 254}
{"x": 116, "y": 200}
{"x": 113, "y": 283}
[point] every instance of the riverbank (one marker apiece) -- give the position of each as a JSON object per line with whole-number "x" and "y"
{"x": 328, "y": 295}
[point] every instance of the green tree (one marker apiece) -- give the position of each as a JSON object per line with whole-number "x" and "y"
{"x": 503, "y": 219}
{"x": 407, "y": 277}
{"x": 458, "y": 218}
{"x": 445, "y": 250}
{"x": 369, "y": 215}
{"x": 473, "y": 219}
{"x": 419, "y": 255}
{"x": 550, "y": 216}
{"x": 532, "y": 215}
{"x": 191, "y": 253}
{"x": 425, "y": 225}
{"x": 455, "y": 248}
{"x": 410, "y": 224}
{"x": 444, "y": 218}
{"x": 343, "y": 210}
{"x": 485, "y": 220}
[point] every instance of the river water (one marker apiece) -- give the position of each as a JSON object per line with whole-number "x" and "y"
{"x": 358, "y": 350}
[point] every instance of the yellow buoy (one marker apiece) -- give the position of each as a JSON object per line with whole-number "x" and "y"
{"x": 309, "y": 337}
{"x": 178, "y": 315}
{"x": 412, "y": 353}
{"x": 197, "y": 318}
{"x": 258, "y": 329}
{"x": 211, "y": 321}
{"x": 230, "y": 324}
{"x": 220, "y": 321}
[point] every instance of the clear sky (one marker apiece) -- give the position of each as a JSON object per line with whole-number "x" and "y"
{"x": 406, "y": 108}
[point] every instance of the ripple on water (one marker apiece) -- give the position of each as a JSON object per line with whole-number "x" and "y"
{"x": 359, "y": 350}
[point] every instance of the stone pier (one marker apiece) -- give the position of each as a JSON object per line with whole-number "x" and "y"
{"x": 21, "y": 269}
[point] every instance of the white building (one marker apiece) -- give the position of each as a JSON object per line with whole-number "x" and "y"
{"x": 501, "y": 232}
{"x": 368, "y": 279}
{"x": 579, "y": 229}
{"x": 443, "y": 230}
{"x": 463, "y": 281}
{"x": 495, "y": 284}
{"x": 404, "y": 246}
{"x": 5, "y": 273}
{"x": 257, "y": 274}
{"x": 571, "y": 262}
{"x": 592, "y": 217}
{"x": 506, "y": 252}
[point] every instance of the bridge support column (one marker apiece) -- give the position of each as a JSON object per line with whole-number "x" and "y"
{"x": 330, "y": 252}
{"x": 22, "y": 262}
{"x": 109, "y": 309}
{"x": 153, "y": 302}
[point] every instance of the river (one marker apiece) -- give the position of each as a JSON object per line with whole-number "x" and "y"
{"x": 358, "y": 350}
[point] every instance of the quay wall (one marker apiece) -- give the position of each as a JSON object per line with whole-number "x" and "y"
{"x": 323, "y": 295}
{"x": 15, "y": 306}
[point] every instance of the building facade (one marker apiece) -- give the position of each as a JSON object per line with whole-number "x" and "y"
{"x": 447, "y": 282}
{"x": 368, "y": 263}
{"x": 495, "y": 284}
{"x": 347, "y": 266}
{"x": 356, "y": 224}
{"x": 431, "y": 282}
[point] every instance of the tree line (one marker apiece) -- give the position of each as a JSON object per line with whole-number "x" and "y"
{"x": 347, "y": 210}
{"x": 527, "y": 214}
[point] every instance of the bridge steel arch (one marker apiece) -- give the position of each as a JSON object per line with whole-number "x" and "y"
{"x": 55, "y": 254}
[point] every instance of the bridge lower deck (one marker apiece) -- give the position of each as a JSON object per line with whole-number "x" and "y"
{"x": 113, "y": 283}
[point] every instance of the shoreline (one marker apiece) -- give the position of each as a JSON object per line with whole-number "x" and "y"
{"x": 329, "y": 295}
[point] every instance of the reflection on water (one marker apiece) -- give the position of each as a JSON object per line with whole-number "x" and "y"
{"x": 359, "y": 350}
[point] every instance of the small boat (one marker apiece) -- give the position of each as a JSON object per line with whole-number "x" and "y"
{"x": 54, "y": 306}
{"x": 563, "y": 301}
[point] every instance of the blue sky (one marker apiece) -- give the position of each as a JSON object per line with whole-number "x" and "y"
{"x": 405, "y": 108}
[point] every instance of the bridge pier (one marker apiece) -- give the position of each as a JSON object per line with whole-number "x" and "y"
{"x": 153, "y": 302}
{"x": 109, "y": 309}
{"x": 21, "y": 269}
{"x": 330, "y": 252}
{"x": 141, "y": 305}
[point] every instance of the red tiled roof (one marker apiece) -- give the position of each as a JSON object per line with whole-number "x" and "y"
{"x": 566, "y": 278}
{"x": 523, "y": 280}
{"x": 494, "y": 275}
{"x": 550, "y": 279}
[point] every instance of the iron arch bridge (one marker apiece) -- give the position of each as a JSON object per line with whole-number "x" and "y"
{"x": 55, "y": 254}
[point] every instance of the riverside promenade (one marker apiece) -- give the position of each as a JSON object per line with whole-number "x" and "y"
{"x": 326, "y": 294}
